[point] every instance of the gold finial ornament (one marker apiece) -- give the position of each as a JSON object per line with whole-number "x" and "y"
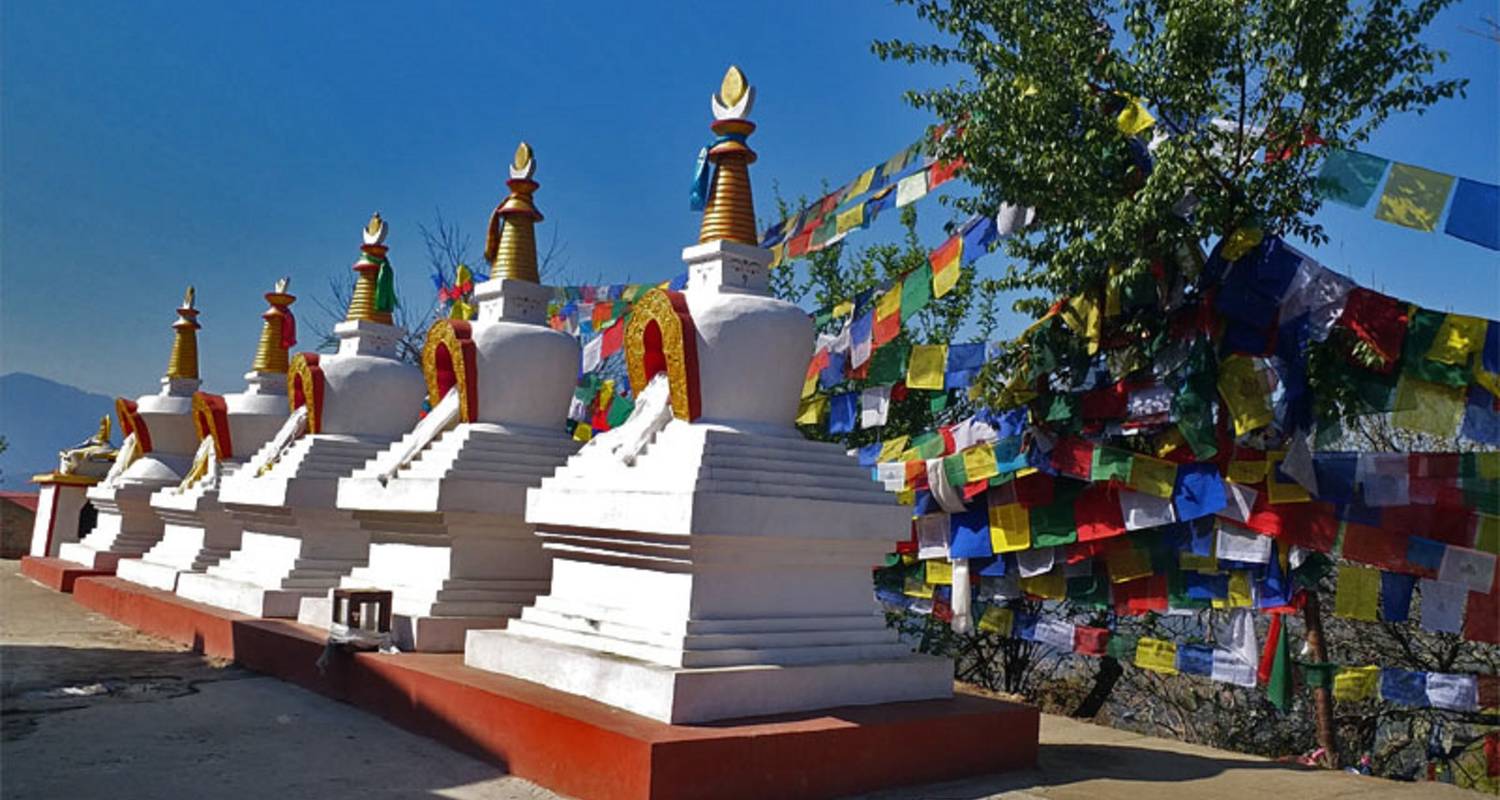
{"x": 102, "y": 435}
{"x": 729, "y": 209}
{"x": 277, "y": 331}
{"x": 510, "y": 244}
{"x": 365, "y": 303}
{"x": 184, "y": 360}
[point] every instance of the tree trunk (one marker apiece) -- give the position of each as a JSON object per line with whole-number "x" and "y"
{"x": 1109, "y": 674}
{"x": 1312, "y": 616}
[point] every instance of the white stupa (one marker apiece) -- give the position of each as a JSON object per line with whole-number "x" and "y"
{"x": 709, "y": 562}
{"x": 199, "y": 531}
{"x": 346, "y": 408}
{"x": 157, "y": 451}
{"x": 445, "y": 507}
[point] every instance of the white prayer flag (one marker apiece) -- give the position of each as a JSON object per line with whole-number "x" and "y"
{"x": 874, "y": 406}
{"x": 932, "y": 536}
{"x": 1453, "y": 692}
{"x": 1229, "y": 668}
{"x": 1145, "y": 511}
{"x": 1149, "y": 402}
{"x": 591, "y": 353}
{"x": 1241, "y": 501}
{"x": 1000, "y": 587}
{"x": 1240, "y": 544}
{"x": 948, "y": 498}
{"x": 1055, "y": 633}
{"x": 1443, "y": 606}
{"x": 892, "y": 474}
{"x": 1471, "y": 568}
{"x": 1035, "y": 562}
{"x": 911, "y": 189}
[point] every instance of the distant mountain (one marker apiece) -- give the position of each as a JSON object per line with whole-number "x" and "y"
{"x": 39, "y": 417}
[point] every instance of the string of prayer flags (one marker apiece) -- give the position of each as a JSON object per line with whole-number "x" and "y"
{"x": 926, "y": 368}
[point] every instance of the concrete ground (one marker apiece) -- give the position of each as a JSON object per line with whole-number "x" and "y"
{"x": 92, "y": 709}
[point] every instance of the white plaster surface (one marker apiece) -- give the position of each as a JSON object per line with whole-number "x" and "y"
{"x": 57, "y": 511}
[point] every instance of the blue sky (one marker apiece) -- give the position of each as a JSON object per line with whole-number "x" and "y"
{"x": 149, "y": 145}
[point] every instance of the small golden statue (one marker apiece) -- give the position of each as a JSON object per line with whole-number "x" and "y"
{"x": 92, "y": 457}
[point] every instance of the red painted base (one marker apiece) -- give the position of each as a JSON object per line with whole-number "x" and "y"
{"x": 582, "y": 748}
{"x": 57, "y": 574}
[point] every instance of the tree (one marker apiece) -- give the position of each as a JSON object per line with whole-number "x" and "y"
{"x": 1056, "y": 91}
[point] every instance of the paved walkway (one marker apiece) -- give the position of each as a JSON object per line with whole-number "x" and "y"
{"x": 93, "y": 709}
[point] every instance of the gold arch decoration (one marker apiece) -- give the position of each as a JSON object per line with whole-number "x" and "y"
{"x": 131, "y": 421}
{"x": 660, "y": 337}
{"x": 448, "y": 361}
{"x": 211, "y": 420}
{"x": 304, "y": 387}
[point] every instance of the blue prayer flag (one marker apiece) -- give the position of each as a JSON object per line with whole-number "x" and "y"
{"x": 1195, "y": 659}
{"x": 1425, "y": 552}
{"x": 1200, "y": 491}
{"x": 1395, "y": 596}
{"x": 1481, "y": 420}
{"x": 970, "y": 532}
{"x": 979, "y": 234}
{"x": 1273, "y": 589}
{"x": 843, "y": 410}
{"x": 1474, "y": 214}
{"x": 869, "y": 454}
{"x": 1024, "y": 627}
{"x": 1404, "y": 687}
{"x": 1335, "y": 476}
{"x": 922, "y": 503}
{"x": 833, "y": 374}
{"x": 678, "y": 283}
{"x": 1205, "y": 587}
{"x": 861, "y": 329}
{"x": 997, "y": 567}
{"x": 1490, "y": 359}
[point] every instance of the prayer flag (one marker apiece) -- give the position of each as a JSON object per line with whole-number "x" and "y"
{"x": 1414, "y": 197}
{"x": 911, "y": 188}
{"x": 1403, "y": 687}
{"x": 810, "y": 412}
{"x": 860, "y": 331}
{"x": 1195, "y": 659}
{"x": 1010, "y": 526}
{"x": 887, "y": 317}
{"x": 874, "y": 406}
{"x": 925, "y": 370}
{"x": 1353, "y": 684}
{"x": 1453, "y": 692}
{"x": 1426, "y": 407}
{"x": 964, "y": 362}
{"x": 1157, "y": 655}
{"x": 888, "y": 365}
{"x": 979, "y": 462}
{"x": 939, "y": 572}
{"x": 1199, "y": 491}
{"x": 1055, "y": 633}
{"x": 851, "y": 218}
{"x": 1134, "y": 118}
{"x": 996, "y": 620}
{"x": 970, "y": 531}
{"x": 1277, "y": 673}
{"x": 1475, "y": 213}
{"x": 1350, "y": 178}
{"x": 1154, "y": 476}
{"x": 1245, "y": 393}
{"x": 842, "y": 412}
{"x": 1395, "y": 596}
{"x": 1358, "y": 595}
{"x": 1443, "y": 606}
{"x": 916, "y": 291}
{"x": 945, "y": 261}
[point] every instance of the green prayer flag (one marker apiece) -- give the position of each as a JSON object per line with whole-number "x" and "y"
{"x": 954, "y": 466}
{"x": 888, "y": 365}
{"x": 1111, "y": 464}
{"x": 1088, "y": 591}
{"x": 1318, "y": 676}
{"x": 385, "y": 287}
{"x": 1350, "y": 178}
{"x": 938, "y": 402}
{"x": 1421, "y": 332}
{"x": 1279, "y": 687}
{"x": 1121, "y": 648}
{"x": 929, "y": 445}
{"x": 619, "y": 410}
{"x": 916, "y": 292}
{"x": 1055, "y": 524}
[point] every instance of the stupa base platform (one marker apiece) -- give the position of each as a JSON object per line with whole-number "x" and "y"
{"x": 241, "y": 597}
{"x": 684, "y": 696}
{"x": 58, "y": 574}
{"x": 586, "y": 749}
{"x": 412, "y": 634}
{"x": 150, "y": 573}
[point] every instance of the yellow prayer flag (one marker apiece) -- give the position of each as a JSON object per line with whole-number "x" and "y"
{"x": 1487, "y": 534}
{"x": 891, "y": 448}
{"x": 907, "y": 497}
{"x": 1134, "y": 118}
{"x": 940, "y": 572}
{"x": 1127, "y": 563}
{"x": 1239, "y": 591}
{"x": 1353, "y": 684}
{"x": 1488, "y": 465}
{"x": 1048, "y": 586}
{"x": 1458, "y": 339}
{"x": 979, "y": 462}
{"x": 908, "y": 455}
{"x": 843, "y": 309}
{"x": 1156, "y": 655}
{"x": 850, "y": 218}
{"x": 997, "y": 620}
{"x": 1358, "y": 594}
{"x": 811, "y": 410}
{"x": 778, "y": 254}
{"x": 809, "y": 386}
{"x": 944, "y": 281}
{"x": 916, "y": 587}
{"x": 583, "y": 433}
{"x": 1169, "y": 441}
{"x": 889, "y": 303}
{"x": 1197, "y": 563}
{"x": 1082, "y": 315}
{"x": 862, "y": 183}
{"x": 1010, "y": 528}
{"x": 1414, "y": 197}
{"x": 1247, "y": 471}
{"x": 925, "y": 369}
{"x": 1427, "y": 407}
{"x": 1154, "y": 476}
{"x": 1245, "y": 393}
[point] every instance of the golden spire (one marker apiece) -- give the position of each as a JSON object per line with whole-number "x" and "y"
{"x": 270, "y": 354}
{"x": 184, "y": 360}
{"x": 365, "y": 303}
{"x": 729, "y": 210}
{"x": 512, "y": 251}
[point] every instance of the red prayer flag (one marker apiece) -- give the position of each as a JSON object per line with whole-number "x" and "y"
{"x": 885, "y": 330}
{"x": 1097, "y": 513}
{"x": 1090, "y": 641}
{"x": 1379, "y": 320}
{"x": 1375, "y": 546}
{"x": 1073, "y": 457}
{"x": 1139, "y": 596}
{"x": 943, "y": 171}
{"x": 1482, "y": 617}
{"x": 1034, "y": 490}
{"x": 1310, "y": 525}
{"x": 946, "y": 255}
{"x": 1106, "y": 403}
{"x": 614, "y": 339}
